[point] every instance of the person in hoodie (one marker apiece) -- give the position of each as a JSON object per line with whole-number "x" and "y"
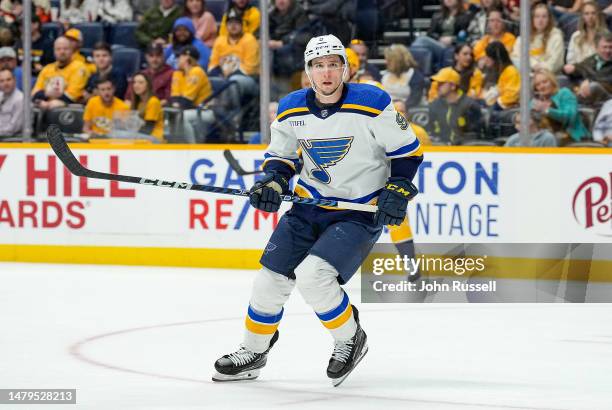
{"x": 183, "y": 34}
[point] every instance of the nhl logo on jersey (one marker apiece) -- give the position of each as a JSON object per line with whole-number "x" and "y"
{"x": 324, "y": 113}
{"x": 325, "y": 153}
{"x": 401, "y": 121}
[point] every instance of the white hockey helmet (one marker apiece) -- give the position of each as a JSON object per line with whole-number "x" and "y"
{"x": 324, "y": 46}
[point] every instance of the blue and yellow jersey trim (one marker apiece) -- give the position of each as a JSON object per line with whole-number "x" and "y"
{"x": 338, "y": 316}
{"x": 262, "y": 324}
{"x": 414, "y": 149}
{"x": 360, "y": 109}
{"x": 294, "y": 104}
{"x": 293, "y": 112}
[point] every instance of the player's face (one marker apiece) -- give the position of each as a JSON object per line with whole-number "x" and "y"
{"x": 7, "y": 82}
{"x": 102, "y": 59}
{"x": 326, "y": 73}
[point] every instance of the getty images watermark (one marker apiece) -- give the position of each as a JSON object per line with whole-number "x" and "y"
{"x": 411, "y": 268}
{"x": 494, "y": 272}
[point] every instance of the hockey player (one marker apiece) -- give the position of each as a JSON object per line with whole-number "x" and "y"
{"x": 356, "y": 148}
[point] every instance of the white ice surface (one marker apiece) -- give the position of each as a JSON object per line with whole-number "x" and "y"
{"x": 147, "y": 338}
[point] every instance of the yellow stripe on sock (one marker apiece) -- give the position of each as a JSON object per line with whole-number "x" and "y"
{"x": 260, "y": 328}
{"x": 340, "y": 320}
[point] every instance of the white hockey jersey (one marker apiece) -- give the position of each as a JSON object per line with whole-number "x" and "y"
{"x": 346, "y": 149}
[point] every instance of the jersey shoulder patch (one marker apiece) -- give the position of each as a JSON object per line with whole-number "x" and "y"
{"x": 292, "y": 105}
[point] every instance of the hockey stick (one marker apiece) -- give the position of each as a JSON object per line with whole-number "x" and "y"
{"x": 63, "y": 152}
{"x": 233, "y": 163}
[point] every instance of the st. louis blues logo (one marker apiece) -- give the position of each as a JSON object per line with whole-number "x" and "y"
{"x": 326, "y": 153}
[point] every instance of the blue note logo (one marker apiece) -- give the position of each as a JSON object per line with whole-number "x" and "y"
{"x": 326, "y": 153}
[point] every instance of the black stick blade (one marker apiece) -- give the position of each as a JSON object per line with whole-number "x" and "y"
{"x": 59, "y": 146}
{"x": 233, "y": 162}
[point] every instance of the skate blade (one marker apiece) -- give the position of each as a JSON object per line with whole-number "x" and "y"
{"x": 339, "y": 380}
{"x": 248, "y": 375}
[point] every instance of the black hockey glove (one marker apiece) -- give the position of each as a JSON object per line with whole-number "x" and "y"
{"x": 393, "y": 201}
{"x": 265, "y": 194}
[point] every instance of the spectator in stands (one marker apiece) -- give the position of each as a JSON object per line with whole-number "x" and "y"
{"x": 103, "y": 59}
{"x": 354, "y": 70}
{"x": 565, "y": 10}
{"x": 504, "y": 77}
{"x": 7, "y": 37}
{"x": 582, "y": 43}
{"x": 102, "y": 108}
{"x": 289, "y": 34}
{"x": 332, "y": 17}
{"x": 594, "y": 74}
{"x": 76, "y": 41}
{"x": 183, "y": 34}
{"x": 61, "y": 82}
{"x": 140, "y": 7}
{"x": 42, "y": 47}
{"x": 471, "y": 77}
{"x": 11, "y": 105}
{"x": 602, "y": 130}
{"x": 115, "y": 11}
{"x": 236, "y": 57}
{"x": 453, "y": 116}
{"x": 203, "y": 21}
{"x": 148, "y": 106}
{"x": 8, "y": 60}
{"x": 538, "y": 136}
{"x": 11, "y": 11}
{"x": 250, "y": 17}
{"x": 512, "y": 9}
{"x": 360, "y": 47}
{"x": 402, "y": 79}
{"x": 78, "y": 11}
{"x": 478, "y": 24}
{"x": 157, "y": 23}
{"x": 558, "y": 106}
{"x": 497, "y": 32}
{"x": 190, "y": 87}
{"x": 159, "y": 72}
{"x": 547, "y": 48}
{"x": 448, "y": 27}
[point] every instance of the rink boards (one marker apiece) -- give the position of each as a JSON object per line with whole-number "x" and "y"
{"x": 468, "y": 195}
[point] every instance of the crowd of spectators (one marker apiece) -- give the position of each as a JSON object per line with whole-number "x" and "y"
{"x": 459, "y": 82}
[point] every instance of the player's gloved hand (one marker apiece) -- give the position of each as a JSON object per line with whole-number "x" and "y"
{"x": 393, "y": 201}
{"x": 265, "y": 194}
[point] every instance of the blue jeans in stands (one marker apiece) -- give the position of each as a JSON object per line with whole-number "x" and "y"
{"x": 438, "y": 50}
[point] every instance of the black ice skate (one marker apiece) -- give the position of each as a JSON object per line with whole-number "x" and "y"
{"x": 347, "y": 354}
{"x": 243, "y": 364}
